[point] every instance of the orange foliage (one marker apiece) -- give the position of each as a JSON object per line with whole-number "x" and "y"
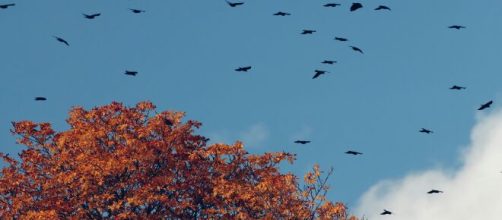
{"x": 118, "y": 162}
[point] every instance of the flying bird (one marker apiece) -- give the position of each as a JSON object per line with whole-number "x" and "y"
{"x": 332, "y": 5}
{"x": 486, "y": 105}
{"x": 306, "y": 31}
{"x": 62, "y": 40}
{"x": 243, "y": 69}
{"x": 137, "y": 11}
{"x": 91, "y": 16}
{"x": 5, "y": 6}
{"x": 357, "y": 49}
{"x": 434, "y": 191}
{"x": 328, "y": 62}
{"x": 39, "y": 98}
{"x": 341, "y": 39}
{"x": 355, "y": 6}
{"x": 301, "y": 142}
{"x": 458, "y": 27}
{"x": 427, "y": 131}
{"x": 455, "y": 87}
{"x": 355, "y": 153}
{"x": 386, "y": 212}
{"x": 319, "y": 73}
{"x": 234, "y": 4}
{"x": 382, "y": 7}
{"x": 280, "y": 13}
{"x": 131, "y": 73}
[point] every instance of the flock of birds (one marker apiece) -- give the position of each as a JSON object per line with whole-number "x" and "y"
{"x": 317, "y": 72}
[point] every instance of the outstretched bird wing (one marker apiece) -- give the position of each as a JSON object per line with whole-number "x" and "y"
{"x": 486, "y": 105}
{"x": 357, "y": 49}
{"x": 62, "y": 40}
{"x": 355, "y": 6}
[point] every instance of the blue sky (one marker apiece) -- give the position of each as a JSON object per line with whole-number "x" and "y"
{"x": 186, "y": 53}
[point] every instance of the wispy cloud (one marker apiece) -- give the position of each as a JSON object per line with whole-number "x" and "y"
{"x": 474, "y": 191}
{"x": 255, "y": 135}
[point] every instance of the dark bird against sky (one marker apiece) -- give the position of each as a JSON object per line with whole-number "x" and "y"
{"x": 386, "y": 212}
{"x": 62, "y": 40}
{"x": 435, "y": 191}
{"x": 302, "y": 142}
{"x": 341, "y": 39}
{"x": 328, "y": 62}
{"x": 382, "y": 7}
{"x": 91, "y": 16}
{"x": 5, "y": 6}
{"x": 319, "y": 73}
{"x": 426, "y": 131}
{"x": 455, "y": 87}
{"x": 280, "y": 13}
{"x": 137, "y": 11}
{"x": 357, "y": 49}
{"x": 355, "y": 6}
{"x": 234, "y": 4}
{"x": 458, "y": 27}
{"x": 355, "y": 153}
{"x": 131, "y": 73}
{"x": 332, "y": 5}
{"x": 485, "y": 106}
{"x": 40, "y": 98}
{"x": 243, "y": 69}
{"x": 307, "y": 31}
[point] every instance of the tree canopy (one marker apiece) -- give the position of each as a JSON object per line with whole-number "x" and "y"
{"x": 118, "y": 162}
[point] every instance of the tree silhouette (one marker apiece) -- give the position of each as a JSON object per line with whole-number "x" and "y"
{"x": 118, "y": 162}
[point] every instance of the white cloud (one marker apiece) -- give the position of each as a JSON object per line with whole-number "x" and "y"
{"x": 472, "y": 192}
{"x": 255, "y": 135}
{"x": 252, "y": 136}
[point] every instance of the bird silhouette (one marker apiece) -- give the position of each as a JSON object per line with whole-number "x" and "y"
{"x": 319, "y": 73}
{"x": 131, "y": 73}
{"x": 234, "y": 4}
{"x": 434, "y": 191}
{"x": 357, "y": 49}
{"x": 301, "y": 142}
{"x": 486, "y": 105}
{"x": 455, "y": 87}
{"x": 382, "y": 7}
{"x": 243, "y": 69}
{"x": 280, "y": 13}
{"x": 328, "y": 62}
{"x": 40, "y": 98}
{"x": 62, "y": 40}
{"x": 458, "y": 27}
{"x": 426, "y": 131}
{"x": 386, "y": 212}
{"x": 306, "y": 31}
{"x": 355, "y": 153}
{"x": 341, "y": 39}
{"x": 5, "y": 6}
{"x": 332, "y": 5}
{"x": 91, "y": 16}
{"x": 355, "y": 6}
{"x": 137, "y": 11}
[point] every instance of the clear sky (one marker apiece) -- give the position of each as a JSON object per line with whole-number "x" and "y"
{"x": 186, "y": 51}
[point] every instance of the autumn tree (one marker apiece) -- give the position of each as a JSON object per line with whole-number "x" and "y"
{"x": 117, "y": 162}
